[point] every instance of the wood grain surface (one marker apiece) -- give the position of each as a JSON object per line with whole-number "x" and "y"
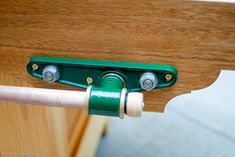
{"x": 39, "y": 131}
{"x": 27, "y": 130}
{"x": 196, "y": 37}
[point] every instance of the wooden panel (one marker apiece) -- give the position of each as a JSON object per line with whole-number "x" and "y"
{"x": 94, "y": 130}
{"x": 72, "y": 115}
{"x": 196, "y": 37}
{"x": 30, "y": 130}
{"x": 77, "y": 130}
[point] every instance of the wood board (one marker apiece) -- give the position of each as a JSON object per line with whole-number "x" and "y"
{"x": 28, "y": 130}
{"x": 198, "y": 38}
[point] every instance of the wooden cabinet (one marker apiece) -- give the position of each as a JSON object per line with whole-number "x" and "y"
{"x": 198, "y": 38}
{"x": 47, "y": 131}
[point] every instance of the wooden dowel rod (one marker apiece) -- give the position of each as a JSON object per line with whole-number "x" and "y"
{"x": 40, "y": 96}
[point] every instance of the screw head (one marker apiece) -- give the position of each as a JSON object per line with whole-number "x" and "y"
{"x": 168, "y": 77}
{"x": 51, "y": 73}
{"x": 148, "y": 81}
{"x": 89, "y": 80}
{"x": 35, "y": 66}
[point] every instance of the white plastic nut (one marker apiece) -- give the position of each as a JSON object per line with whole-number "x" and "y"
{"x": 134, "y": 104}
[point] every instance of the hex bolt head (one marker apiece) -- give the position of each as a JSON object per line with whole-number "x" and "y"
{"x": 148, "y": 81}
{"x": 51, "y": 73}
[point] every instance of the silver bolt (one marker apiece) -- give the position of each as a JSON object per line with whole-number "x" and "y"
{"x": 51, "y": 73}
{"x": 148, "y": 81}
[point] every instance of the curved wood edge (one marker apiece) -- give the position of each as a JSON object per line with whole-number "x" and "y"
{"x": 197, "y": 38}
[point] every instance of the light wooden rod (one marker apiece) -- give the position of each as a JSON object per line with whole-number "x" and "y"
{"x": 40, "y": 96}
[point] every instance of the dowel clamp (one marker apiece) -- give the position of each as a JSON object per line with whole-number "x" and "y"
{"x": 112, "y": 87}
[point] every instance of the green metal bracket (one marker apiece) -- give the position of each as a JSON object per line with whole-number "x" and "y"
{"x": 106, "y": 78}
{"x": 82, "y": 73}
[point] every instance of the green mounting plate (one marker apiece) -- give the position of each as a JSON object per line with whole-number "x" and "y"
{"x": 82, "y": 73}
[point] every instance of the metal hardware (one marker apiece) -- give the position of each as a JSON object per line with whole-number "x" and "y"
{"x": 50, "y": 73}
{"x": 35, "y": 66}
{"x": 106, "y": 99}
{"x": 168, "y": 77}
{"x": 109, "y": 84}
{"x": 74, "y": 72}
{"x": 148, "y": 81}
{"x": 89, "y": 80}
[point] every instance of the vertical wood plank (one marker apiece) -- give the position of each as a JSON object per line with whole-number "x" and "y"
{"x": 58, "y": 130}
{"x": 92, "y": 135}
{"x": 30, "y": 130}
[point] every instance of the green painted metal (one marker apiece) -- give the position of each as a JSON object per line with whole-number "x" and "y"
{"x": 105, "y": 99}
{"x": 75, "y": 72}
{"x": 107, "y": 79}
